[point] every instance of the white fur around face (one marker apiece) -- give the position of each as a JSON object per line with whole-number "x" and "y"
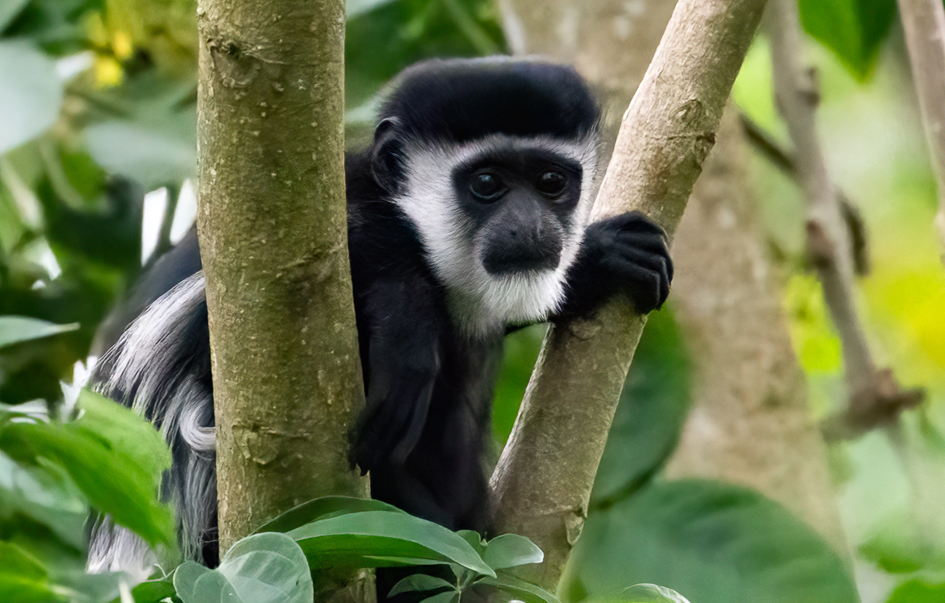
{"x": 485, "y": 303}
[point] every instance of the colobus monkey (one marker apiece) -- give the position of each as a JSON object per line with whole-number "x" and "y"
{"x": 466, "y": 218}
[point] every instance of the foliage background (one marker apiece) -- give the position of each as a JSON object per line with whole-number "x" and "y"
{"x": 97, "y": 105}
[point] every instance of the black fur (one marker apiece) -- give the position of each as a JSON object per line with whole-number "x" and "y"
{"x": 429, "y": 376}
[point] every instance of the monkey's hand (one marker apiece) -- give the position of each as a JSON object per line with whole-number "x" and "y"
{"x": 627, "y": 254}
{"x": 401, "y": 366}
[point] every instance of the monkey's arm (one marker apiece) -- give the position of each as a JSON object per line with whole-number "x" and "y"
{"x": 404, "y": 327}
{"x": 626, "y": 254}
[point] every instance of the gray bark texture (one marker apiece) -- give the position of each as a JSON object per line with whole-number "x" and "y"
{"x": 272, "y": 226}
{"x": 543, "y": 480}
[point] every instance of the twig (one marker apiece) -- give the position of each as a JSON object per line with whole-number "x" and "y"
{"x": 783, "y": 159}
{"x": 924, "y": 24}
{"x": 875, "y": 397}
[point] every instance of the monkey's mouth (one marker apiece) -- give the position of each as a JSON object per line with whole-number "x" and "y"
{"x": 503, "y": 260}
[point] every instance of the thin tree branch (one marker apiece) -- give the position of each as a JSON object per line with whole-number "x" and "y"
{"x": 543, "y": 479}
{"x": 875, "y": 397}
{"x": 924, "y": 24}
{"x": 784, "y": 160}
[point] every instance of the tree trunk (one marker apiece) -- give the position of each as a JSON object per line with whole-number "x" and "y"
{"x": 272, "y": 225}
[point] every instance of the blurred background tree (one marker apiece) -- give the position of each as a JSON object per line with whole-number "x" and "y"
{"x": 738, "y": 499}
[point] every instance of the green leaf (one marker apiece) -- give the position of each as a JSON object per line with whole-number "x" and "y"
{"x": 114, "y": 457}
{"x": 322, "y": 508}
{"x": 22, "y": 578}
{"x": 144, "y": 153}
{"x": 17, "y": 329}
{"x": 42, "y": 494}
{"x": 712, "y": 542}
{"x": 419, "y": 583}
{"x": 918, "y": 591}
{"x": 853, "y": 29}
{"x": 361, "y": 539}
{"x": 32, "y": 93}
{"x": 125, "y": 430}
{"x": 519, "y": 589}
{"x": 511, "y": 550}
{"x": 9, "y": 9}
{"x": 650, "y": 593}
{"x": 653, "y": 408}
{"x": 153, "y": 591}
{"x": 262, "y": 568}
{"x": 447, "y": 597}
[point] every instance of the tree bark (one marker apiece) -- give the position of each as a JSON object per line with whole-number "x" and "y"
{"x": 272, "y": 226}
{"x": 543, "y": 480}
{"x": 924, "y": 25}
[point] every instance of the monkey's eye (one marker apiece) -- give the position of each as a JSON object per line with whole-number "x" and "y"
{"x": 486, "y": 186}
{"x": 551, "y": 183}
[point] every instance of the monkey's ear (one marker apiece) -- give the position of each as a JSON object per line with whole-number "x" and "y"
{"x": 387, "y": 154}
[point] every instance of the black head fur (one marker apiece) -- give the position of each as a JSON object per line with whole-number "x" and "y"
{"x": 459, "y": 100}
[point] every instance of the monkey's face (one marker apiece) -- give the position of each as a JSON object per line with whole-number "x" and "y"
{"x": 501, "y": 219}
{"x": 521, "y": 208}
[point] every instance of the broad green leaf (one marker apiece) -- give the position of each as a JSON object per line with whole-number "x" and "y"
{"x": 519, "y": 589}
{"x": 653, "y": 408}
{"x": 153, "y": 591}
{"x": 322, "y": 508}
{"x": 650, "y": 593}
{"x": 712, "y": 542}
{"x": 853, "y": 29}
{"x": 262, "y": 568}
{"x": 44, "y": 496}
{"x": 146, "y": 153}
{"x": 17, "y": 329}
{"x": 185, "y": 579}
{"x": 474, "y": 539}
{"x": 84, "y": 587}
{"x": 23, "y": 579}
{"x": 447, "y": 597}
{"x": 118, "y": 476}
{"x": 126, "y": 430}
{"x": 32, "y": 93}
{"x": 918, "y": 591}
{"x": 9, "y": 9}
{"x": 419, "y": 583}
{"x": 511, "y": 550}
{"x": 268, "y": 568}
{"x": 360, "y": 539}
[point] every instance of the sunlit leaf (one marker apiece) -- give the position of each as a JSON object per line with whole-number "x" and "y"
{"x": 918, "y": 591}
{"x": 650, "y": 593}
{"x": 361, "y": 539}
{"x": 322, "y": 508}
{"x": 17, "y": 329}
{"x": 262, "y": 568}
{"x": 511, "y": 550}
{"x": 112, "y": 455}
{"x": 853, "y": 29}
{"x": 32, "y": 93}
